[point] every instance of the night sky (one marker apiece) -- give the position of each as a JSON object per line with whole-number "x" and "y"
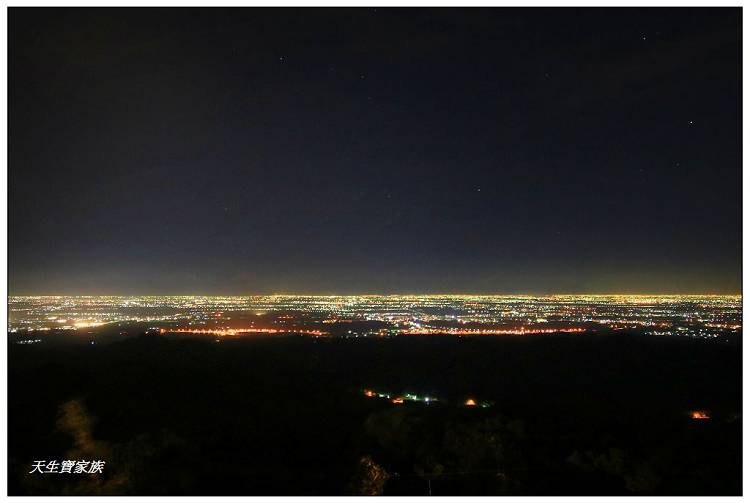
{"x": 374, "y": 150}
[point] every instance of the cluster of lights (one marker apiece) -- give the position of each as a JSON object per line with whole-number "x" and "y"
{"x": 412, "y": 397}
{"x": 230, "y": 332}
{"x": 489, "y": 331}
{"x": 671, "y": 315}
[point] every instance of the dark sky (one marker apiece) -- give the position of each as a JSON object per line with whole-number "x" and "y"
{"x": 374, "y": 150}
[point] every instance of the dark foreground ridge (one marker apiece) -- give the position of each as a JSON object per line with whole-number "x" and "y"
{"x": 569, "y": 414}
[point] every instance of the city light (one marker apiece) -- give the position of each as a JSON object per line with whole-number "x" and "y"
{"x": 699, "y": 414}
{"x": 697, "y": 316}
